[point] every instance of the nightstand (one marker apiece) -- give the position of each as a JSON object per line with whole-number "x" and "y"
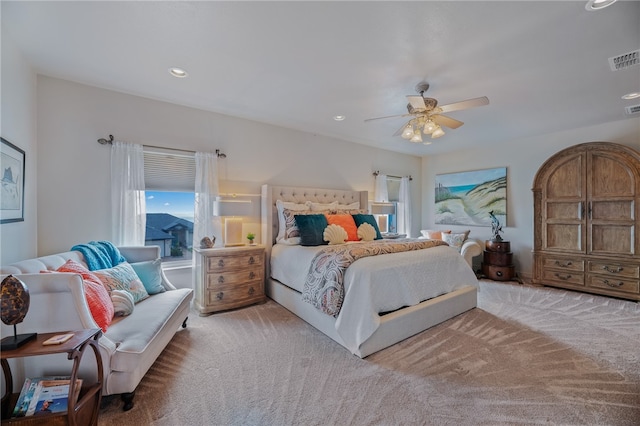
{"x": 228, "y": 278}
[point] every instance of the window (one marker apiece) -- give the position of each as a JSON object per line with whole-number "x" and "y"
{"x": 169, "y": 177}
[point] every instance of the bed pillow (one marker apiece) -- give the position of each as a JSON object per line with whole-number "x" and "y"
{"x": 291, "y": 231}
{"x": 366, "y": 232}
{"x": 320, "y": 207}
{"x": 434, "y": 235}
{"x": 345, "y": 221}
{"x": 280, "y": 206}
{"x": 150, "y": 273}
{"x": 311, "y": 227}
{"x": 97, "y": 296}
{"x": 454, "y": 240}
{"x": 123, "y": 277}
{"x": 359, "y": 219}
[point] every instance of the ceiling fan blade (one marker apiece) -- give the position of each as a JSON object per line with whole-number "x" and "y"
{"x": 388, "y": 116}
{"x": 449, "y": 122}
{"x": 401, "y": 129}
{"x": 469, "y": 103}
{"x": 417, "y": 102}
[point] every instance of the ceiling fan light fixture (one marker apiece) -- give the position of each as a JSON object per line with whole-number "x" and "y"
{"x": 598, "y": 4}
{"x": 429, "y": 127}
{"x": 417, "y": 137}
{"x": 407, "y": 133}
{"x": 177, "y": 72}
{"x": 437, "y": 133}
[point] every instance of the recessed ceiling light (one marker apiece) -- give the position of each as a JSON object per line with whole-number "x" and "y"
{"x": 599, "y": 4}
{"x": 177, "y": 72}
{"x": 632, "y": 95}
{"x": 339, "y": 117}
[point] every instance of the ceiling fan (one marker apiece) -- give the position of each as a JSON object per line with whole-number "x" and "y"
{"x": 427, "y": 115}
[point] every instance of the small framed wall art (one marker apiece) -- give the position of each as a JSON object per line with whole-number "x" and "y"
{"x": 12, "y": 166}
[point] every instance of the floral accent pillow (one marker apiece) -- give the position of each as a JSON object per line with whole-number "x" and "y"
{"x": 123, "y": 277}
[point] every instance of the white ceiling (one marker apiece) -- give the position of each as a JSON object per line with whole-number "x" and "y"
{"x": 543, "y": 65}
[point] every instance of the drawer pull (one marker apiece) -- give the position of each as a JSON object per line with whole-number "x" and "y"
{"x": 563, "y": 277}
{"x": 220, "y": 279}
{"x": 219, "y": 296}
{"x": 252, "y": 275}
{"x": 619, "y": 284}
{"x": 612, "y": 270}
{"x": 251, "y": 260}
{"x": 564, "y": 264}
{"x": 251, "y": 291}
{"x": 220, "y": 263}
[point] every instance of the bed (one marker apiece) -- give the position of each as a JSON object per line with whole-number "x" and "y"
{"x": 387, "y": 298}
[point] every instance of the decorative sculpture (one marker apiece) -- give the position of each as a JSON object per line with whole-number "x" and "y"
{"x": 207, "y": 243}
{"x": 496, "y": 228}
{"x": 14, "y": 303}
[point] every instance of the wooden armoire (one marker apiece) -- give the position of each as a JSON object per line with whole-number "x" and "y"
{"x": 586, "y": 229}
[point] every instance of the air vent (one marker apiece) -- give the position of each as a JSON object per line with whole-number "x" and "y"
{"x": 625, "y": 60}
{"x": 633, "y": 109}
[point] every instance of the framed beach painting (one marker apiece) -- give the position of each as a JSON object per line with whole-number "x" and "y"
{"x": 467, "y": 198}
{"x": 12, "y": 195}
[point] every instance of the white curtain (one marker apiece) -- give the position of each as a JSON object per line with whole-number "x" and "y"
{"x": 128, "y": 215}
{"x": 381, "y": 193}
{"x": 205, "y": 224}
{"x": 404, "y": 207}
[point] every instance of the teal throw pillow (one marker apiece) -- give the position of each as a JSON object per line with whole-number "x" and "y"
{"x": 150, "y": 274}
{"x": 311, "y": 228}
{"x": 359, "y": 219}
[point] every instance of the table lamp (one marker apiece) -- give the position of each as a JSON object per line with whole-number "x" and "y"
{"x": 383, "y": 210}
{"x": 231, "y": 210}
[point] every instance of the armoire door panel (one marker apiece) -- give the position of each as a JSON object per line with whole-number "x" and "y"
{"x": 610, "y": 239}
{"x": 567, "y": 179}
{"x": 610, "y": 177}
{"x": 612, "y": 210}
{"x": 565, "y": 210}
{"x": 564, "y": 236}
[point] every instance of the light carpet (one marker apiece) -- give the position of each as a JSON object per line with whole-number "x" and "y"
{"x": 526, "y": 356}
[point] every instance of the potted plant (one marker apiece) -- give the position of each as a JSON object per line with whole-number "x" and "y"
{"x": 251, "y": 236}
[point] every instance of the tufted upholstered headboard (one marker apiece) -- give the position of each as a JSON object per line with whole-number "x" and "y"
{"x": 296, "y": 194}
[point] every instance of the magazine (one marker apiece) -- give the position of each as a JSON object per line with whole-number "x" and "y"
{"x": 45, "y": 395}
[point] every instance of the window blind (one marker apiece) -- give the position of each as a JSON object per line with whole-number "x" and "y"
{"x": 169, "y": 170}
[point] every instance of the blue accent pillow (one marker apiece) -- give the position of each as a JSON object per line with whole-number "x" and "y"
{"x": 311, "y": 228}
{"x": 150, "y": 274}
{"x": 359, "y": 219}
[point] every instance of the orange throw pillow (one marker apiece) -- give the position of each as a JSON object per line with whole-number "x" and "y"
{"x": 345, "y": 221}
{"x": 97, "y": 295}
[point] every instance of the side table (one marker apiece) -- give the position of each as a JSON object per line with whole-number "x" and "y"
{"x": 228, "y": 278}
{"x": 82, "y": 412}
{"x": 497, "y": 262}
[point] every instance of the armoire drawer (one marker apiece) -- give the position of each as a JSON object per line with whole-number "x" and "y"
{"x": 564, "y": 277}
{"x": 614, "y": 269}
{"x": 624, "y": 285}
{"x": 563, "y": 263}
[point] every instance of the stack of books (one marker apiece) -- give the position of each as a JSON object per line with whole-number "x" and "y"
{"x": 42, "y": 396}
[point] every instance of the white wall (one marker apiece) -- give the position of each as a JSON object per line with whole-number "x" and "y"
{"x": 522, "y": 159}
{"x": 18, "y": 240}
{"x": 74, "y": 176}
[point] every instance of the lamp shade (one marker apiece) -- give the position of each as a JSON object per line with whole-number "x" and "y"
{"x": 383, "y": 208}
{"x": 231, "y": 207}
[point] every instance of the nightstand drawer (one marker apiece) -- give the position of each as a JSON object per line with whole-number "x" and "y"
{"x": 214, "y": 280}
{"x": 229, "y": 296}
{"x": 225, "y": 263}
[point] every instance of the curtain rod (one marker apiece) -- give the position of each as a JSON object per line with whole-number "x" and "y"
{"x": 103, "y": 141}
{"x": 377, "y": 172}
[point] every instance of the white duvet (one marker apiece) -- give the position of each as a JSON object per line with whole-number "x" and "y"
{"x": 378, "y": 284}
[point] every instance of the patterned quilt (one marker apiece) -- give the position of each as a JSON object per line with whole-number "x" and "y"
{"x": 324, "y": 286}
